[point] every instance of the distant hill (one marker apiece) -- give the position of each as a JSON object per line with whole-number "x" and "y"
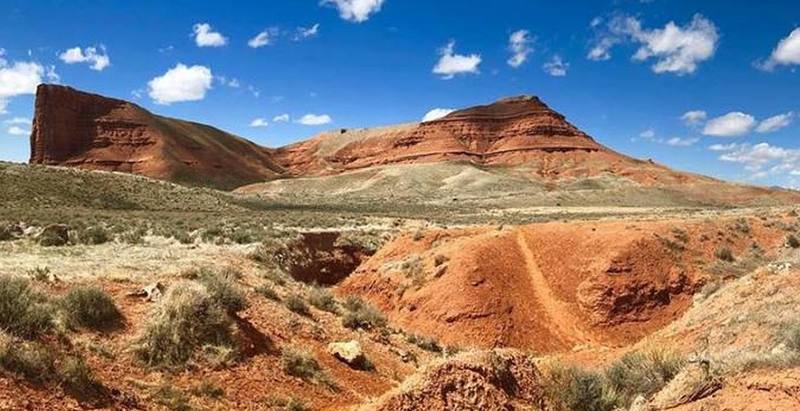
{"x": 515, "y": 152}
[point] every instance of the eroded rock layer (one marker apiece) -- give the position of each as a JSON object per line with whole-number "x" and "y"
{"x": 85, "y": 130}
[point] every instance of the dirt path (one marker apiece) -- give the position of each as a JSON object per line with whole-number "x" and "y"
{"x": 566, "y": 324}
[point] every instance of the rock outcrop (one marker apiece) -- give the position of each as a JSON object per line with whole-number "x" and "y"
{"x": 74, "y": 128}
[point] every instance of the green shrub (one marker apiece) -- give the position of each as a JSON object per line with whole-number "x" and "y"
{"x": 575, "y": 389}
{"x": 268, "y": 292}
{"x": 186, "y": 318}
{"x": 23, "y": 311}
{"x": 224, "y": 290}
{"x": 78, "y": 378}
{"x": 642, "y": 373}
{"x": 426, "y": 343}
{"x": 725, "y": 254}
{"x": 793, "y": 337}
{"x": 54, "y": 235}
{"x": 297, "y": 304}
{"x": 29, "y": 359}
{"x": 90, "y": 307}
{"x": 303, "y": 365}
{"x": 323, "y": 299}
{"x": 361, "y": 314}
{"x": 94, "y": 235}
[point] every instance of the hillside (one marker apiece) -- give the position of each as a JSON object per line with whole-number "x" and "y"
{"x": 73, "y": 128}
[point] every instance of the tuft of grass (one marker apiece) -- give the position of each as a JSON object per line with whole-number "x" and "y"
{"x": 267, "y": 292}
{"x": 41, "y": 274}
{"x": 94, "y": 235}
{"x": 186, "y": 318}
{"x": 793, "y": 337}
{"x": 426, "y": 343}
{"x": 296, "y": 304}
{"x": 642, "y": 373}
{"x": 303, "y": 365}
{"x": 725, "y": 254}
{"x": 208, "y": 389}
{"x": 30, "y": 360}
{"x": 171, "y": 398}
{"x": 90, "y": 307}
{"x": 24, "y": 312}
{"x": 78, "y": 378}
{"x": 576, "y": 389}
{"x": 323, "y": 299}
{"x": 361, "y": 314}
{"x": 224, "y": 290}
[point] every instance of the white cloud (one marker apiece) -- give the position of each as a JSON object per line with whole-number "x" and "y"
{"x": 259, "y": 122}
{"x": 757, "y": 158}
{"x": 18, "y": 131}
{"x": 556, "y": 66}
{"x": 230, "y": 82}
{"x": 302, "y": 33}
{"x": 181, "y": 83}
{"x": 730, "y": 125}
{"x": 775, "y": 123}
{"x": 314, "y": 119}
{"x": 787, "y": 52}
{"x": 436, "y": 114}
{"x": 520, "y": 45}
{"x": 96, "y": 57}
{"x": 723, "y": 147}
{"x": 264, "y": 38}
{"x": 18, "y": 120}
{"x": 205, "y": 36}
{"x": 694, "y": 117}
{"x": 18, "y": 78}
{"x": 282, "y": 118}
{"x": 676, "y": 49}
{"x": 681, "y": 142}
{"x": 648, "y": 134}
{"x": 451, "y": 64}
{"x": 355, "y": 10}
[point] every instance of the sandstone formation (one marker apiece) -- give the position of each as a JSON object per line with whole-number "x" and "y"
{"x": 74, "y": 128}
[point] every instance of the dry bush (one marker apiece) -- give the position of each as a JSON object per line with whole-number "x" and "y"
{"x": 90, "y": 307}
{"x": 323, "y": 299}
{"x": 28, "y": 359}
{"x": 296, "y": 304}
{"x": 642, "y": 373}
{"x": 725, "y": 254}
{"x": 361, "y": 314}
{"x": 186, "y": 319}
{"x": 576, "y": 389}
{"x": 224, "y": 290}
{"x": 94, "y": 235}
{"x": 23, "y": 311}
{"x": 303, "y": 365}
{"x": 426, "y": 343}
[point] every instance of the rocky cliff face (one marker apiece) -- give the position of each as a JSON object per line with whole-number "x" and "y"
{"x": 74, "y": 128}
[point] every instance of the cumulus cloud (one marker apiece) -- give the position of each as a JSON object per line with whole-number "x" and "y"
{"x": 19, "y": 78}
{"x": 282, "y": 118}
{"x": 730, "y": 125}
{"x": 520, "y": 44}
{"x": 694, "y": 117}
{"x": 259, "y": 122}
{"x": 556, "y": 66}
{"x": 315, "y": 119}
{"x": 451, "y": 64}
{"x": 761, "y": 159}
{"x": 676, "y": 49}
{"x": 18, "y": 131}
{"x": 648, "y": 134}
{"x": 181, "y": 83}
{"x": 357, "y": 11}
{"x": 775, "y": 123}
{"x": 303, "y": 33}
{"x": 96, "y": 57}
{"x": 264, "y": 38}
{"x": 786, "y": 53}
{"x": 205, "y": 36}
{"x": 436, "y": 114}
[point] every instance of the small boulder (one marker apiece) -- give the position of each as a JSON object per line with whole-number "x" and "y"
{"x": 151, "y": 292}
{"x": 350, "y": 353}
{"x": 54, "y": 235}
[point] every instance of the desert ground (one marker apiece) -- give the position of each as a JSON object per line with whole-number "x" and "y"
{"x": 122, "y": 292}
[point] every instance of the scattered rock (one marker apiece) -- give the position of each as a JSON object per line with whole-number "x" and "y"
{"x": 151, "y": 292}
{"x": 350, "y": 353}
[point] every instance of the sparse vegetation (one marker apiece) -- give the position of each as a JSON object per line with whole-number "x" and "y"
{"x": 90, "y": 307}
{"x": 303, "y": 365}
{"x": 186, "y": 319}
{"x": 224, "y": 290}
{"x": 296, "y": 304}
{"x": 576, "y": 389}
{"x": 322, "y": 299}
{"x": 725, "y": 254}
{"x": 267, "y": 292}
{"x": 94, "y": 235}
{"x": 361, "y": 314}
{"x": 23, "y": 311}
{"x": 426, "y": 343}
{"x": 30, "y": 360}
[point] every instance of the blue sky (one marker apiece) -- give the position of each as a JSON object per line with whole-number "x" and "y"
{"x": 623, "y": 71}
